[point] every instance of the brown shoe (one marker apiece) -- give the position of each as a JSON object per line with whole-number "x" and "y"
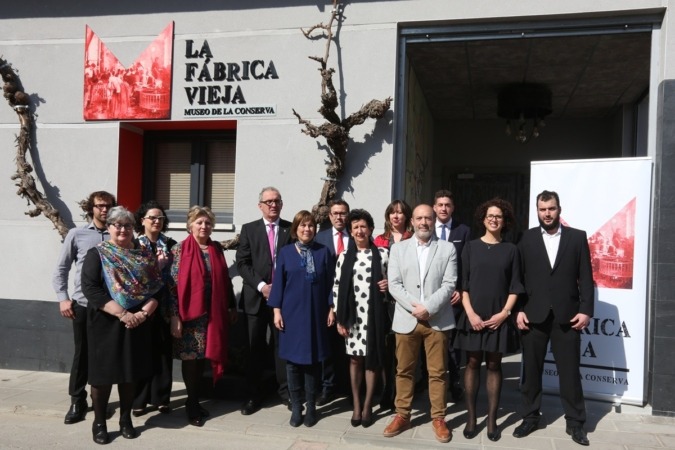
{"x": 397, "y": 426}
{"x": 441, "y": 431}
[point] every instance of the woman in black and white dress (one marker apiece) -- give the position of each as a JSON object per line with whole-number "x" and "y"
{"x": 359, "y": 296}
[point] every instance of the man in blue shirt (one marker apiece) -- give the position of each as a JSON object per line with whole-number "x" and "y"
{"x": 74, "y": 307}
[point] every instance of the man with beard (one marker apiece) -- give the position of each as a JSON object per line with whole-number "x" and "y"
{"x": 77, "y": 243}
{"x": 422, "y": 276}
{"x": 557, "y": 306}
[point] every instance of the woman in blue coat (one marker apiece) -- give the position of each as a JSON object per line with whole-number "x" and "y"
{"x": 303, "y": 311}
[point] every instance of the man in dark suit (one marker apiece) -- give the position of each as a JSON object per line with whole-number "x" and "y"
{"x": 558, "y": 305}
{"x": 459, "y": 234}
{"x": 259, "y": 242}
{"x": 336, "y": 238}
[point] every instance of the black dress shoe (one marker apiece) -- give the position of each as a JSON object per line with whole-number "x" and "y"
{"x": 325, "y": 398}
{"x": 470, "y": 434}
{"x": 164, "y": 409}
{"x": 578, "y": 434}
{"x": 128, "y": 431}
{"x": 99, "y": 432}
{"x": 250, "y": 407}
{"x": 138, "y": 412}
{"x": 356, "y": 422}
{"x": 494, "y": 436}
{"x": 76, "y": 412}
{"x": 525, "y": 428}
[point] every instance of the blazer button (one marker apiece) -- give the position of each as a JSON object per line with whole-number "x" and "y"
{"x": 418, "y": 285}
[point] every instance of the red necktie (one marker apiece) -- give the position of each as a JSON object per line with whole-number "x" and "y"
{"x": 340, "y": 244}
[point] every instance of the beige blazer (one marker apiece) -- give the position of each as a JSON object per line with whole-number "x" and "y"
{"x": 439, "y": 278}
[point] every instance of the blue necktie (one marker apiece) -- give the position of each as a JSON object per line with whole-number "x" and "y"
{"x": 443, "y": 238}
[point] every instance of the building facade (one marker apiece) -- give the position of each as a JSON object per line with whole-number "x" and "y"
{"x": 194, "y": 103}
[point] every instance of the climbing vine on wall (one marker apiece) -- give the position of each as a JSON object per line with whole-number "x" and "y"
{"x": 24, "y": 180}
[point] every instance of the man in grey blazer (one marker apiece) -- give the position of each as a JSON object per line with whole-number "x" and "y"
{"x": 422, "y": 277}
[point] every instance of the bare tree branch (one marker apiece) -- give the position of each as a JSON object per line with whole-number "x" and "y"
{"x": 27, "y": 188}
{"x": 334, "y": 130}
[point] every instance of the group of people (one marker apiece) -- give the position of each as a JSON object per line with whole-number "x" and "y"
{"x": 338, "y": 301}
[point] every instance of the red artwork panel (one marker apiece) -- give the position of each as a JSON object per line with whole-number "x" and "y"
{"x": 612, "y": 249}
{"x": 141, "y": 91}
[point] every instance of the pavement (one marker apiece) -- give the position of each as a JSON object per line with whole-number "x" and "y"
{"x": 33, "y": 405}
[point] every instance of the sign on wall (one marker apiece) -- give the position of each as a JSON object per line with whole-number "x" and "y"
{"x": 213, "y": 87}
{"x": 141, "y": 91}
{"x": 609, "y": 199}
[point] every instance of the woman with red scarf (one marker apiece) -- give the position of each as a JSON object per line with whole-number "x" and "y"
{"x": 203, "y": 306}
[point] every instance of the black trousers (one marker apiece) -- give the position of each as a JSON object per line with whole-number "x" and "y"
{"x": 79, "y": 371}
{"x": 566, "y": 348}
{"x": 258, "y": 357}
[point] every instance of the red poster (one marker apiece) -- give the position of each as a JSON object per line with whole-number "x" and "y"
{"x": 141, "y": 91}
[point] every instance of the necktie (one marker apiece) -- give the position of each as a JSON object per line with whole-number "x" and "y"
{"x": 270, "y": 240}
{"x": 443, "y": 237}
{"x": 340, "y": 244}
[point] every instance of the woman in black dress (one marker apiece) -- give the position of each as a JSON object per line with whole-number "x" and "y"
{"x": 485, "y": 330}
{"x": 121, "y": 281}
{"x": 151, "y": 223}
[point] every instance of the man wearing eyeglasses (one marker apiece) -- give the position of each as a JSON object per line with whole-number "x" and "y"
{"x": 448, "y": 229}
{"x": 259, "y": 242}
{"x": 77, "y": 243}
{"x": 336, "y": 238}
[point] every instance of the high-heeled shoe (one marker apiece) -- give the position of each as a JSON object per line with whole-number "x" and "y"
{"x": 470, "y": 433}
{"x": 367, "y": 419}
{"x": 99, "y": 432}
{"x": 494, "y": 436}
{"x": 355, "y": 421}
{"x": 128, "y": 431}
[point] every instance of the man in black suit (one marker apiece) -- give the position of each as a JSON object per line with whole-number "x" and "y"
{"x": 459, "y": 234}
{"x": 336, "y": 238}
{"x": 259, "y": 242}
{"x": 557, "y": 306}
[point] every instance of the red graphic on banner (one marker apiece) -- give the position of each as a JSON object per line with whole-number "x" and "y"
{"x": 612, "y": 249}
{"x": 141, "y": 91}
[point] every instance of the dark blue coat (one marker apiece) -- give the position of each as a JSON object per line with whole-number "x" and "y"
{"x": 304, "y": 304}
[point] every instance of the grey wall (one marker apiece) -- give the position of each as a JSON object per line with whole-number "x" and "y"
{"x": 662, "y": 302}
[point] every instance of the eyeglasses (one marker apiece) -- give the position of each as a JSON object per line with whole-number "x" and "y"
{"x": 103, "y": 206}
{"x": 126, "y": 226}
{"x": 272, "y": 202}
{"x": 494, "y": 217}
{"x": 155, "y": 219}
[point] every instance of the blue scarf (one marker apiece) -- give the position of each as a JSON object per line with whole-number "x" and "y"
{"x": 306, "y": 259}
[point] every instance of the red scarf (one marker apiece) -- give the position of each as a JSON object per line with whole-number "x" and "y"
{"x": 192, "y": 304}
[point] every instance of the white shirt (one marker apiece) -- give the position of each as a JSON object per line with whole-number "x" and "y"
{"x": 422, "y": 256}
{"x": 552, "y": 243}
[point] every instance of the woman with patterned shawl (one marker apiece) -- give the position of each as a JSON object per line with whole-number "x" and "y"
{"x": 202, "y": 307}
{"x": 122, "y": 283}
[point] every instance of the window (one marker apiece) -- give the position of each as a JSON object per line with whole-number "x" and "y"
{"x": 183, "y": 169}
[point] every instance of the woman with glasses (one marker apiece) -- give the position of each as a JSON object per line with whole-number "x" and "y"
{"x": 121, "y": 281}
{"x": 485, "y": 330}
{"x": 202, "y": 307}
{"x": 151, "y": 223}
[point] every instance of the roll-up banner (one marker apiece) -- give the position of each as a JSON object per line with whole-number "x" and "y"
{"x": 610, "y": 199}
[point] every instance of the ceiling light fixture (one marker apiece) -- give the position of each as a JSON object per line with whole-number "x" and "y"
{"x": 524, "y": 106}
